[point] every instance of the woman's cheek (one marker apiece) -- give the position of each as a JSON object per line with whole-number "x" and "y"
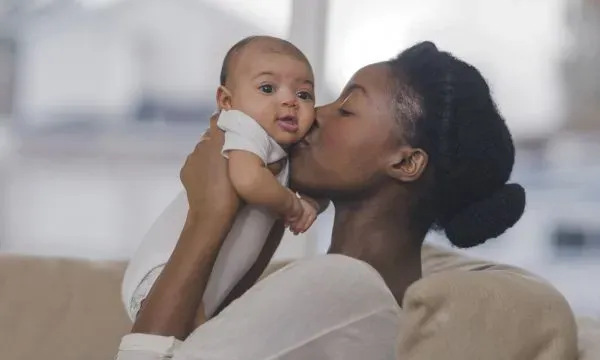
{"x": 331, "y": 140}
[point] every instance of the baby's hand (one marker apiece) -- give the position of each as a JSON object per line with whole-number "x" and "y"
{"x": 306, "y": 219}
{"x": 294, "y": 213}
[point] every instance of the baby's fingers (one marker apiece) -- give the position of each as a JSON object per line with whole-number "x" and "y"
{"x": 306, "y": 221}
{"x": 311, "y": 219}
{"x": 295, "y": 228}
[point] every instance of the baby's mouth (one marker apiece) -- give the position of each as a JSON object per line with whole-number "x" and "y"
{"x": 288, "y": 123}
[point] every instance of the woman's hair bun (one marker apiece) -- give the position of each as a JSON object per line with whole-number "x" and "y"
{"x": 487, "y": 218}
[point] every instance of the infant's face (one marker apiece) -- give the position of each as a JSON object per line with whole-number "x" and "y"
{"x": 275, "y": 89}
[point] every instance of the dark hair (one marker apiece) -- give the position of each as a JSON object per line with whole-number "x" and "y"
{"x": 286, "y": 47}
{"x": 446, "y": 109}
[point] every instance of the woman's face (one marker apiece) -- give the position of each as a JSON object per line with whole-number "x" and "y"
{"x": 346, "y": 150}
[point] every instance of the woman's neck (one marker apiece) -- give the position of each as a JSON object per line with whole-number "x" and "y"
{"x": 379, "y": 235}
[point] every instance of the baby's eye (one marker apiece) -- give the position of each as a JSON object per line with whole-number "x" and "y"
{"x": 266, "y": 88}
{"x": 305, "y": 95}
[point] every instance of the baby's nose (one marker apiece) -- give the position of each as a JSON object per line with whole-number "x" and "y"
{"x": 290, "y": 99}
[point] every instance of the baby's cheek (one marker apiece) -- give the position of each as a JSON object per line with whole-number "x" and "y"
{"x": 258, "y": 108}
{"x": 305, "y": 125}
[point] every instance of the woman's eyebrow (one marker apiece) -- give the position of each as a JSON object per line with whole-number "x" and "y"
{"x": 353, "y": 87}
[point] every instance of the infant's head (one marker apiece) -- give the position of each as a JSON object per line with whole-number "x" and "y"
{"x": 272, "y": 81}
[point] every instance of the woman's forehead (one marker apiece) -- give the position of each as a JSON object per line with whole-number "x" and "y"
{"x": 373, "y": 81}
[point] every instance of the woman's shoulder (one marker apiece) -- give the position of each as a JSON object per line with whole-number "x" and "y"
{"x": 333, "y": 276}
{"x": 333, "y": 265}
{"x": 482, "y": 313}
{"x": 325, "y": 300}
{"x": 461, "y": 298}
{"x": 437, "y": 259}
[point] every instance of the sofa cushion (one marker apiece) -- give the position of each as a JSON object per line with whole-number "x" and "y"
{"x": 60, "y": 308}
{"x": 589, "y": 338}
{"x": 64, "y": 309}
{"x": 491, "y": 314}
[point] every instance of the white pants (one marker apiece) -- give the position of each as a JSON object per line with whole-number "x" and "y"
{"x": 326, "y": 307}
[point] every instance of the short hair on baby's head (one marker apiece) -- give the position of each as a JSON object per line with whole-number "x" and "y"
{"x": 281, "y": 46}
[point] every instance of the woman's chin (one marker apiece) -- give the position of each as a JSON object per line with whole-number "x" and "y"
{"x": 305, "y": 172}
{"x": 300, "y": 166}
{"x": 303, "y": 183}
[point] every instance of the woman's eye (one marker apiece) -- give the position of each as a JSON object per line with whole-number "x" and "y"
{"x": 343, "y": 112}
{"x": 305, "y": 95}
{"x": 267, "y": 88}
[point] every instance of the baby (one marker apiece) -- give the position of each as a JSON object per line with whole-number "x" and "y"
{"x": 266, "y": 103}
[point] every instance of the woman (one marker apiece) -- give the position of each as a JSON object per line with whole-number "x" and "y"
{"x": 412, "y": 144}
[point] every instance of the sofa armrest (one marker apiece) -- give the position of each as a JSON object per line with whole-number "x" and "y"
{"x": 589, "y": 338}
{"x": 490, "y": 314}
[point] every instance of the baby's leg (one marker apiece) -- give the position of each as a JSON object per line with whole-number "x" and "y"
{"x": 200, "y": 315}
{"x": 237, "y": 255}
{"x": 153, "y": 253}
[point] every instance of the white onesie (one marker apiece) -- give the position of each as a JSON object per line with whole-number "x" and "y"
{"x": 243, "y": 243}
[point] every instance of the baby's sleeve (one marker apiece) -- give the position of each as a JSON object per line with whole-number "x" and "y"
{"x": 243, "y": 133}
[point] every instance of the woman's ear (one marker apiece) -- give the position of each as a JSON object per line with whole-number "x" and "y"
{"x": 223, "y": 98}
{"x": 407, "y": 164}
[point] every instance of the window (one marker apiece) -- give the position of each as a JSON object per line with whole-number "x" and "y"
{"x": 7, "y": 75}
{"x": 133, "y": 60}
{"x": 571, "y": 240}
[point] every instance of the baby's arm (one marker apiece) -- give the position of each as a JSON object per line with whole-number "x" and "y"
{"x": 256, "y": 185}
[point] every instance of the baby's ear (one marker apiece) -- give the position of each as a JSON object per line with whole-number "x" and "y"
{"x": 223, "y": 98}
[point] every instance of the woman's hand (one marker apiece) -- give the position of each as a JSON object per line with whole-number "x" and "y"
{"x": 204, "y": 176}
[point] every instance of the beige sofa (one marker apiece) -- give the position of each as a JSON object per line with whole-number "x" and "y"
{"x": 65, "y": 309}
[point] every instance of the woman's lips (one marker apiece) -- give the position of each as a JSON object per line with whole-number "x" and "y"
{"x": 304, "y": 142}
{"x": 300, "y": 146}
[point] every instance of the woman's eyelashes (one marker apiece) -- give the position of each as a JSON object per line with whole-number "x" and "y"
{"x": 344, "y": 112}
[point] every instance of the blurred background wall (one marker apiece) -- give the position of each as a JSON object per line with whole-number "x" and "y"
{"x": 100, "y": 100}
